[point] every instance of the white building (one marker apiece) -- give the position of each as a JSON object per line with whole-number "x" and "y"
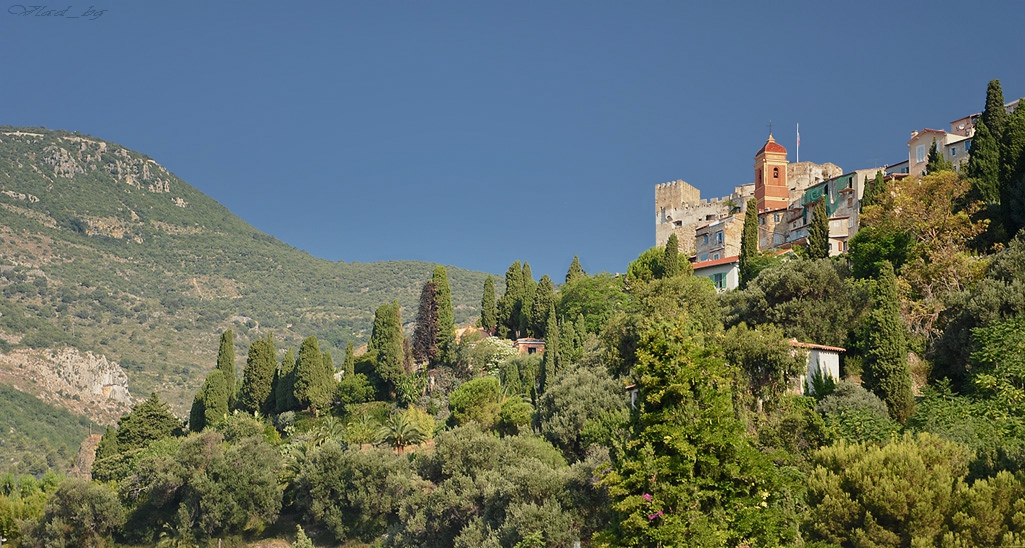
{"x": 822, "y": 360}
{"x": 724, "y": 272}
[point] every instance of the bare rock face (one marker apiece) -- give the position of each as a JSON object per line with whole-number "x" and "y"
{"x": 64, "y": 164}
{"x": 91, "y": 375}
{"x": 82, "y": 382}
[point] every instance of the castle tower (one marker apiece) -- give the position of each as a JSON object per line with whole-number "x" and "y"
{"x": 771, "y": 188}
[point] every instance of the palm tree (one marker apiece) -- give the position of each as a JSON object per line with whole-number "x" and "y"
{"x": 399, "y": 432}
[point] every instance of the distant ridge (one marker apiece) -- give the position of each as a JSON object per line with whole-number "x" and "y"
{"x": 104, "y": 249}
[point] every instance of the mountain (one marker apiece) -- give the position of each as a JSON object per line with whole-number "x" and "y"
{"x": 104, "y": 250}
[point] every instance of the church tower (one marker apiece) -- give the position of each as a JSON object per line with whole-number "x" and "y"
{"x": 771, "y": 188}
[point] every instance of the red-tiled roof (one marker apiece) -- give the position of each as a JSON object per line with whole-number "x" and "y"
{"x": 717, "y": 262}
{"x": 771, "y": 146}
{"x": 793, "y": 342}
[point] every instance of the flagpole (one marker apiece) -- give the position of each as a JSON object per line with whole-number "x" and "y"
{"x": 798, "y": 142}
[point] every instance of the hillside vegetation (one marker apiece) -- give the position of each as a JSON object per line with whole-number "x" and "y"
{"x": 103, "y": 249}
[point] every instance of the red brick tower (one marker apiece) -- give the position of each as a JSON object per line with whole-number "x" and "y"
{"x": 771, "y": 188}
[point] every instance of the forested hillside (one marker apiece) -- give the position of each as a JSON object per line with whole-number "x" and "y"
{"x": 103, "y": 249}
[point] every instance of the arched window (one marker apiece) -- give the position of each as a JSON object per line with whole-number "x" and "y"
{"x": 775, "y": 173}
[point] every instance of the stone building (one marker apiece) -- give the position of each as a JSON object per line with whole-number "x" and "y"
{"x": 699, "y": 222}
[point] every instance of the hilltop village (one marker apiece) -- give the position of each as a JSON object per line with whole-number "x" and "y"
{"x": 709, "y": 230}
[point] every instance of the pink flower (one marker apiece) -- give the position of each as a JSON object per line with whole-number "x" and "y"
{"x": 655, "y": 515}
{"x": 647, "y": 497}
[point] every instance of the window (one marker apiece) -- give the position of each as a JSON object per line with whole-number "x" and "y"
{"x": 718, "y": 239}
{"x": 715, "y": 257}
{"x": 775, "y": 217}
{"x": 719, "y": 279}
{"x": 967, "y": 145}
{"x": 706, "y": 238}
{"x": 761, "y": 220}
{"x": 953, "y": 151}
{"x": 704, "y": 257}
{"x": 775, "y": 173}
{"x": 919, "y": 154}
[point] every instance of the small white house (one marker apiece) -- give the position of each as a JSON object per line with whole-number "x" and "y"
{"x": 724, "y": 273}
{"x": 822, "y": 360}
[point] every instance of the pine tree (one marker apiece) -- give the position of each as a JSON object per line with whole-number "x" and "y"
{"x": 284, "y": 388}
{"x": 575, "y": 271}
{"x": 550, "y": 359}
{"x": 1012, "y": 172}
{"x": 818, "y": 232}
{"x": 256, "y": 393}
{"x": 749, "y": 243}
{"x": 148, "y": 421}
{"x": 542, "y": 307}
{"x": 313, "y": 385}
{"x": 671, "y": 257}
{"x": 386, "y": 340}
{"x": 886, "y": 369}
{"x": 425, "y": 335}
{"x": 446, "y": 316}
{"x": 226, "y": 363}
{"x": 350, "y": 358}
{"x": 937, "y": 161}
{"x": 488, "y": 308}
{"x": 527, "y": 300}
{"x": 509, "y": 304}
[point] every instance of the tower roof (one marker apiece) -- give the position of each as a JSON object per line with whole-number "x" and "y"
{"x": 771, "y": 146}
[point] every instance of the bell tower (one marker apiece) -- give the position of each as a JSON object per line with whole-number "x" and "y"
{"x": 771, "y": 187}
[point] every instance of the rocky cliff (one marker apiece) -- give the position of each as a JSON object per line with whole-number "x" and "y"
{"x": 81, "y": 382}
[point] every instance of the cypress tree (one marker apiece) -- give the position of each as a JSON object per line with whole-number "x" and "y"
{"x": 425, "y": 335}
{"x": 872, "y": 190}
{"x": 542, "y": 307}
{"x": 386, "y": 340}
{"x": 446, "y": 317}
{"x": 749, "y": 243}
{"x": 215, "y": 397}
{"x": 527, "y": 300}
{"x": 508, "y": 305}
{"x": 1012, "y": 172}
{"x": 994, "y": 115}
{"x": 550, "y": 359}
{"x": 211, "y": 402}
{"x": 983, "y": 167}
{"x": 350, "y": 358}
{"x": 197, "y": 413}
{"x": 818, "y": 232}
{"x": 312, "y": 382}
{"x": 886, "y": 369}
{"x": 937, "y": 162}
{"x": 284, "y": 389}
{"x": 226, "y": 363}
{"x": 575, "y": 271}
{"x": 256, "y": 395}
{"x": 108, "y": 444}
{"x": 671, "y": 257}
{"x": 488, "y": 308}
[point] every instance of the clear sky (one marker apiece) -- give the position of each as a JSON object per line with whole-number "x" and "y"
{"x": 479, "y": 133}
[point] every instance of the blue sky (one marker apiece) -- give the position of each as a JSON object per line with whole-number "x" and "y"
{"x": 479, "y": 133}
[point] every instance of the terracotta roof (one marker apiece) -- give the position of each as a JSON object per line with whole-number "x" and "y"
{"x": 771, "y": 146}
{"x": 793, "y": 342}
{"x": 717, "y": 262}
